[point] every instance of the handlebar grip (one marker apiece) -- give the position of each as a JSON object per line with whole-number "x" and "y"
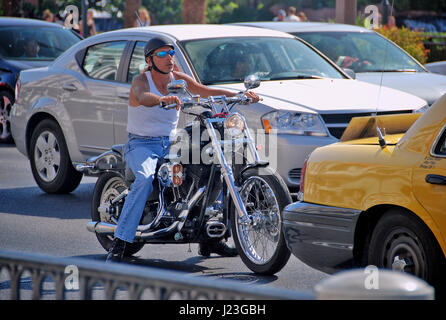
{"x": 165, "y": 106}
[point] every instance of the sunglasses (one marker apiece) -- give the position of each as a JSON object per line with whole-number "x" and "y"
{"x": 163, "y": 54}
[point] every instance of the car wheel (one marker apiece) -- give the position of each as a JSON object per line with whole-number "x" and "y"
{"x": 6, "y": 101}
{"x": 402, "y": 242}
{"x": 50, "y": 162}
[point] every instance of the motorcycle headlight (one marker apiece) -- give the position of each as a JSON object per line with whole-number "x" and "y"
{"x": 234, "y": 124}
{"x": 289, "y": 122}
{"x": 422, "y": 109}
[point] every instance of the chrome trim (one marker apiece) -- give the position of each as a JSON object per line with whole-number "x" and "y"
{"x": 144, "y": 231}
{"x": 436, "y": 141}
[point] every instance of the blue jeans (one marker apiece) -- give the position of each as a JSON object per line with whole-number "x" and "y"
{"x": 141, "y": 155}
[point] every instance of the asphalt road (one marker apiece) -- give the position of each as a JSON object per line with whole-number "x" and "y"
{"x": 36, "y": 222}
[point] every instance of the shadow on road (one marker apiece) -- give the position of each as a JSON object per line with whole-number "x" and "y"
{"x": 7, "y": 145}
{"x": 32, "y": 201}
{"x": 192, "y": 266}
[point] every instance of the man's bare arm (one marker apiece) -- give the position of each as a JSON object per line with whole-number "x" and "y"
{"x": 140, "y": 93}
{"x": 204, "y": 91}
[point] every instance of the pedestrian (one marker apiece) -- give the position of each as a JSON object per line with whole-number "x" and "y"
{"x": 91, "y": 26}
{"x": 280, "y": 15}
{"x": 71, "y": 23}
{"x": 291, "y": 15}
{"x": 149, "y": 129}
{"x": 302, "y": 16}
{"x": 48, "y": 15}
{"x": 144, "y": 18}
{"x": 58, "y": 19}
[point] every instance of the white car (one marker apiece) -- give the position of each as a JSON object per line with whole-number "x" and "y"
{"x": 77, "y": 107}
{"x": 371, "y": 56}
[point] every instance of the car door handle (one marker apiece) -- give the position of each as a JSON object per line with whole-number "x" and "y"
{"x": 124, "y": 95}
{"x": 69, "y": 87}
{"x": 436, "y": 179}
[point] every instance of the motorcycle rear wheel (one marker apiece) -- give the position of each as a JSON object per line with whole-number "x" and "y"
{"x": 259, "y": 239}
{"x": 108, "y": 186}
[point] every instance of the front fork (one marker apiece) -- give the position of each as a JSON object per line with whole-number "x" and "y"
{"x": 227, "y": 170}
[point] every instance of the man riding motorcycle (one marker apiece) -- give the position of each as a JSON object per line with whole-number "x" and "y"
{"x": 149, "y": 130}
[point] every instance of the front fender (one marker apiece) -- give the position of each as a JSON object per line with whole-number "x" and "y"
{"x": 262, "y": 170}
{"x": 44, "y": 108}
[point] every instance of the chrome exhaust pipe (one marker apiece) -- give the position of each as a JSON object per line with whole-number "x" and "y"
{"x": 215, "y": 229}
{"x": 177, "y": 224}
{"x": 101, "y": 227}
{"x": 105, "y": 228}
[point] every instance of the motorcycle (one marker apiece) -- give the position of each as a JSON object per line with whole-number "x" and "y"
{"x": 195, "y": 202}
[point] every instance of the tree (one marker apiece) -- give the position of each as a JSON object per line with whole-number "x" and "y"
{"x": 194, "y": 11}
{"x": 131, "y": 6}
{"x": 11, "y": 7}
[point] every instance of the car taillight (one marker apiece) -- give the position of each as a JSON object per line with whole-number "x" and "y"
{"x": 300, "y": 195}
{"x": 18, "y": 85}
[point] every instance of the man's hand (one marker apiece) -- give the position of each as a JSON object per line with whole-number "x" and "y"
{"x": 170, "y": 100}
{"x": 253, "y": 96}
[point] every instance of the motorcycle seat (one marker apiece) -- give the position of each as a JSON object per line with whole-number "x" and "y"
{"x": 119, "y": 148}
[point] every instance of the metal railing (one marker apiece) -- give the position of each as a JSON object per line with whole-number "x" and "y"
{"x": 84, "y": 279}
{"x": 436, "y": 44}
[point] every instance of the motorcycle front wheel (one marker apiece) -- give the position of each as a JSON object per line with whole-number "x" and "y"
{"x": 259, "y": 237}
{"x": 108, "y": 186}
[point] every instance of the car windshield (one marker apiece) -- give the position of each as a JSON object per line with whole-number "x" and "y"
{"x": 361, "y": 51}
{"x": 31, "y": 43}
{"x": 228, "y": 60}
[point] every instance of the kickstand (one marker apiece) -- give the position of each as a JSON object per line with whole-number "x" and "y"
{"x": 189, "y": 250}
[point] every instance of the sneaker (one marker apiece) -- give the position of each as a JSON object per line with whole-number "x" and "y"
{"x": 116, "y": 252}
{"x": 206, "y": 248}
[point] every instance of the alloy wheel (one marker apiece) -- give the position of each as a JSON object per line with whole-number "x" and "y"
{"x": 47, "y": 156}
{"x": 5, "y": 117}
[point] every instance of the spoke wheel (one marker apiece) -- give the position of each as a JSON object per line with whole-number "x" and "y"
{"x": 259, "y": 233}
{"x": 258, "y": 236}
{"x": 108, "y": 186}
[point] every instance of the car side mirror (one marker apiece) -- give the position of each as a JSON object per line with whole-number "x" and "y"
{"x": 350, "y": 73}
{"x": 251, "y": 82}
{"x": 177, "y": 86}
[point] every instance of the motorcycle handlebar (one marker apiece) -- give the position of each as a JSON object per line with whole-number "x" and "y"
{"x": 206, "y": 103}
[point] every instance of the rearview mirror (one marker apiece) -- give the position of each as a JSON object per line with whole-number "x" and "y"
{"x": 252, "y": 82}
{"x": 350, "y": 73}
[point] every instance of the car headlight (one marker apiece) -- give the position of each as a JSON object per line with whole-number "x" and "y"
{"x": 422, "y": 109}
{"x": 234, "y": 124}
{"x": 289, "y": 122}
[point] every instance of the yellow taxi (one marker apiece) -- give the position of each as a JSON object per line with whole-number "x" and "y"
{"x": 377, "y": 197}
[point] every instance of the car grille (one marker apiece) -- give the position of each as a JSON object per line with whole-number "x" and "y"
{"x": 294, "y": 174}
{"x": 337, "y": 122}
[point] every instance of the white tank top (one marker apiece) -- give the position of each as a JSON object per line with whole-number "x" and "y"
{"x": 152, "y": 121}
